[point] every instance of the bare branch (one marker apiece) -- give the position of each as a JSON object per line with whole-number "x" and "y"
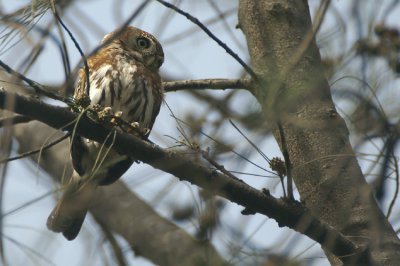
{"x": 32, "y": 152}
{"x": 121, "y": 210}
{"x": 211, "y": 35}
{"x": 77, "y": 46}
{"x": 214, "y": 84}
{"x": 290, "y": 214}
{"x": 396, "y": 192}
{"x": 36, "y": 86}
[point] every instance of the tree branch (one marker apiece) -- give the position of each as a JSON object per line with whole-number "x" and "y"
{"x": 211, "y": 35}
{"x": 33, "y": 84}
{"x": 214, "y": 84}
{"x": 290, "y": 214}
{"x": 117, "y": 207}
{"x": 13, "y": 120}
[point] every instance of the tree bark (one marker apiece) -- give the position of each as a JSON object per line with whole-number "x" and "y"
{"x": 122, "y": 212}
{"x": 295, "y": 94}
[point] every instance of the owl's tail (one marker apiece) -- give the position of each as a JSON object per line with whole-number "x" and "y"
{"x": 68, "y": 215}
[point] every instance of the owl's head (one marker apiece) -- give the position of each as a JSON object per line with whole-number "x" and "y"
{"x": 143, "y": 46}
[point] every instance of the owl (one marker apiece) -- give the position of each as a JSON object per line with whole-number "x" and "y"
{"x": 123, "y": 77}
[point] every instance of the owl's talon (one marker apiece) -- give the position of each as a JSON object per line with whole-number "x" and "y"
{"x": 105, "y": 114}
{"x": 135, "y": 129}
{"x": 135, "y": 125}
{"x": 116, "y": 118}
{"x": 108, "y": 110}
{"x": 145, "y": 132}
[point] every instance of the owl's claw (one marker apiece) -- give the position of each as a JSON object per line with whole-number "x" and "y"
{"x": 104, "y": 114}
{"x": 107, "y": 115}
{"x": 116, "y": 118}
{"x": 137, "y": 130}
{"x": 145, "y": 132}
{"x": 135, "y": 125}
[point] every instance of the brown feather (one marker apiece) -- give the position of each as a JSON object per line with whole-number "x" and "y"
{"x": 123, "y": 75}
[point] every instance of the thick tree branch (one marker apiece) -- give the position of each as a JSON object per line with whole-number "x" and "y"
{"x": 291, "y": 214}
{"x": 13, "y": 120}
{"x": 121, "y": 211}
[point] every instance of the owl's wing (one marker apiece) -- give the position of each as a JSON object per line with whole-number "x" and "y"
{"x": 78, "y": 152}
{"x": 78, "y": 148}
{"x": 99, "y": 81}
{"x": 158, "y": 95}
{"x": 83, "y": 152}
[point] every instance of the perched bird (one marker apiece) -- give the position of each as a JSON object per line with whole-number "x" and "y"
{"x": 124, "y": 78}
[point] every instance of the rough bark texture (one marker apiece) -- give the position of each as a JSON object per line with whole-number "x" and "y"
{"x": 324, "y": 167}
{"x": 117, "y": 207}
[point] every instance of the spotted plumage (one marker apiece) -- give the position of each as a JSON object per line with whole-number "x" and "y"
{"x": 123, "y": 75}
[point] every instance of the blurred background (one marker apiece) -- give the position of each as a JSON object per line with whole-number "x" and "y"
{"x": 359, "y": 43}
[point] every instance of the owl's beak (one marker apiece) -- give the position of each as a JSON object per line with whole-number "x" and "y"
{"x": 160, "y": 60}
{"x": 154, "y": 62}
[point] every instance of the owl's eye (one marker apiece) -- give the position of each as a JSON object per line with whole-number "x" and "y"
{"x": 143, "y": 42}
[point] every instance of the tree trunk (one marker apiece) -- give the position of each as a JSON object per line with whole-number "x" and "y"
{"x": 295, "y": 94}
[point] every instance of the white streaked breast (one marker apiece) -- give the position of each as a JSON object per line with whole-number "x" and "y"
{"x": 99, "y": 81}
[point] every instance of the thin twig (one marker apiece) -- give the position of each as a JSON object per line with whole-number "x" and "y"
{"x": 26, "y": 204}
{"x": 396, "y": 192}
{"x": 389, "y": 147}
{"x": 39, "y": 47}
{"x": 36, "y": 86}
{"x": 179, "y": 127}
{"x": 205, "y": 155}
{"x": 288, "y": 164}
{"x": 251, "y": 174}
{"x": 251, "y": 143}
{"x": 116, "y": 248}
{"x": 229, "y": 148}
{"x": 63, "y": 46}
{"x": 25, "y": 247}
{"x": 186, "y": 33}
{"x": 211, "y": 35}
{"x": 222, "y": 18}
{"x": 84, "y": 58}
{"x": 29, "y": 153}
{"x": 6, "y": 143}
{"x": 122, "y": 28}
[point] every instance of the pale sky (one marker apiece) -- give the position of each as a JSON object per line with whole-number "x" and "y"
{"x": 190, "y": 58}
